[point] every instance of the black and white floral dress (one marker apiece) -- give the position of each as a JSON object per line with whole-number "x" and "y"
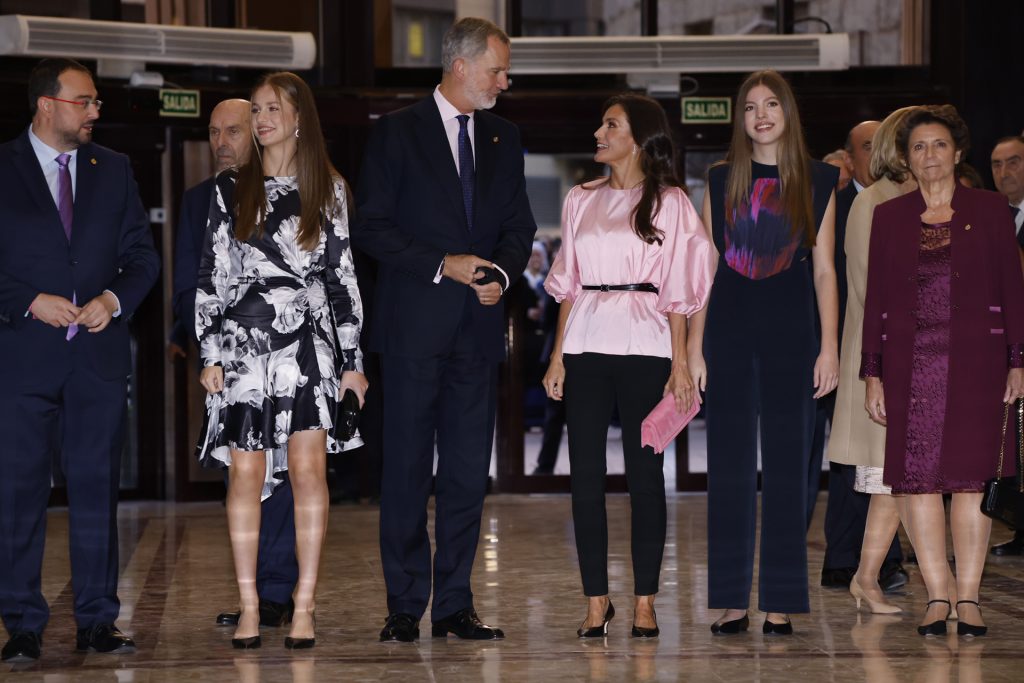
{"x": 264, "y": 313}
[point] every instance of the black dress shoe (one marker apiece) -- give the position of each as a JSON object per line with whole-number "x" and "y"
{"x": 23, "y": 646}
{"x": 598, "y": 631}
{"x": 466, "y": 625}
{"x": 105, "y": 638}
{"x": 892, "y": 576}
{"x": 400, "y": 628}
{"x": 272, "y": 614}
{"x": 728, "y": 628}
{"x": 770, "y": 628}
{"x": 1012, "y": 547}
{"x": 837, "y": 578}
{"x": 299, "y": 643}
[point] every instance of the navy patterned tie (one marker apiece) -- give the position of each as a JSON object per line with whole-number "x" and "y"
{"x": 467, "y": 174}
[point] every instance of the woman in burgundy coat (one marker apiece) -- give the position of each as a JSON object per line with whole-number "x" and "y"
{"x": 943, "y": 351}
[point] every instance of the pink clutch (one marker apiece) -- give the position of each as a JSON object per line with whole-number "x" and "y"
{"x": 664, "y": 423}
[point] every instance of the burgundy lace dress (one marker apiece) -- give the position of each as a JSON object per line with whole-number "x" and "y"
{"x": 924, "y": 472}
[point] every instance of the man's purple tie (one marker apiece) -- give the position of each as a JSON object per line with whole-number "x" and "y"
{"x": 66, "y": 209}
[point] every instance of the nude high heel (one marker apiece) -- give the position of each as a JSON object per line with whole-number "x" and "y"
{"x": 875, "y": 607}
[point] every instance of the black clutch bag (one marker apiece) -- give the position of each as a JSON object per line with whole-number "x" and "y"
{"x": 346, "y": 420}
{"x": 1004, "y": 496}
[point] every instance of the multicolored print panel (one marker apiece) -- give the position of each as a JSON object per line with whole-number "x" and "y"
{"x": 758, "y": 244}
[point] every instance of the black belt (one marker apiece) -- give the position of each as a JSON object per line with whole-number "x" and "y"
{"x": 641, "y": 287}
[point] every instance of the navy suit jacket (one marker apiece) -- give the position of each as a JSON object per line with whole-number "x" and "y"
{"x": 188, "y": 247}
{"x": 111, "y": 247}
{"x": 410, "y": 214}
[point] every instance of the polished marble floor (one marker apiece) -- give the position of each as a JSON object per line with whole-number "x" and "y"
{"x": 176, "y": 576}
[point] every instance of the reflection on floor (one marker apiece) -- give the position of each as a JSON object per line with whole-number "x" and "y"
{"x": 176, "y": 576}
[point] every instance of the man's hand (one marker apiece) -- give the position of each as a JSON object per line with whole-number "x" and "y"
{"x": 96, "y": 314}
{"x": 462, "y": 267}
{"x": 488, "y": 294}
{"x": 55, "y": 311}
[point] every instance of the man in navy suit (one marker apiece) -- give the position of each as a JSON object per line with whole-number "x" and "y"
{"x": 77, "y": 260}
{"x": 441, "y": 204}
{"x": 277, "y": 569}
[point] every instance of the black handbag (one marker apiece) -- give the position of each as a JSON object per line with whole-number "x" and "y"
{"x": 1004, "y": 496}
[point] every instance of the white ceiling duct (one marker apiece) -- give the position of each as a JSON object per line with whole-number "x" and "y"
{"x": 133, "y": 44}
{"x": 680, "y": 54}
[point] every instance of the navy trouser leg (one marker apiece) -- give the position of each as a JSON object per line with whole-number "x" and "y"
{"x": 29, "y": 419}
{"x": 822, "y": 418}
{"x": 277, "y": 569}
{"x": 411, "y": 388}
{"x": 465, "y": 437}
{"x": 787, "y": 425}
{"x": 731, "y": 419}
{"x": 93, "y": 418}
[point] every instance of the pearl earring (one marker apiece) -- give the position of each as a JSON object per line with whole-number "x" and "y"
{"x": 296, "y": 131}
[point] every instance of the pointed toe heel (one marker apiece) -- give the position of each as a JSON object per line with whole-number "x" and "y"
{"x": 299, "y": 643}
{"x": 728, "y": 628}
{"x": 598, "y": 631}
{"x": 882, "y": 607}
{"x": 250, "y": 643}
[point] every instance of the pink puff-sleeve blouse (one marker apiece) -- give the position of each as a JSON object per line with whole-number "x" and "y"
{"x": 599, "y": 247}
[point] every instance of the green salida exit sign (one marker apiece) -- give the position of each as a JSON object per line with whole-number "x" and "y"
{"x": 707, "y": 110}
{"x": 179, "y": 103}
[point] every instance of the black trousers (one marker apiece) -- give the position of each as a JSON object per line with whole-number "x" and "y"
{"x": 594, "y": 385}
{"x": 450, "y": 398}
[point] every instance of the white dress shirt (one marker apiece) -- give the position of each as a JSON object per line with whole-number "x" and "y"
{"x": 449, "y": 117}
{"x": 47, "y": 157}
{"x": 1019, "y": 218}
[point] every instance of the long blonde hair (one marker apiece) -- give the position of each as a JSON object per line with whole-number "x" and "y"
{"x": 315, "y": 174}
{"x": 793, "y": 160}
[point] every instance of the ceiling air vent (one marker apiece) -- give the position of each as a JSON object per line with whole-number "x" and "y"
{"x": 135, "y": 44}
{"x": 680, "y": 54}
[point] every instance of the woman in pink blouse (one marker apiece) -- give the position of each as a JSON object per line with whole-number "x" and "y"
{"x": 634, "y": 265}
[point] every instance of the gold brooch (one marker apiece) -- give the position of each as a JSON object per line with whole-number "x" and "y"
{"x": 93, "y": 161}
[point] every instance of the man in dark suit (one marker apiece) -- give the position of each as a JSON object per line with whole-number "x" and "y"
{"x": 77, "y": 259}
{"x": 1008, "y": 175}
{"x": 441, "y": 204}
{"x": 846, "y": 513}
{"x": 277, "y": 569}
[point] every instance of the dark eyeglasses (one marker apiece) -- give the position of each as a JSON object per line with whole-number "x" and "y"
{"x": 84, "y": 104}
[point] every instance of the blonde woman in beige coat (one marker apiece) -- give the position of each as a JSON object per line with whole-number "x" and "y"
{"x": 855, "y": 439}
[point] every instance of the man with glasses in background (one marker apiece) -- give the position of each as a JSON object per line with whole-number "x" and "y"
{"x": 76, "y": 260}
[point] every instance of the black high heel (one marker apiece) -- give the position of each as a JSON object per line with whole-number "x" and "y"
{"x": 598, "y": 631}
{"x": 250, "y": 643}
{"x": 936, "y": 628}
{"x": 965, "y": 629}
{"x": 643, "y": 631}
{"x": 301, "y": 643}
{"x": 728, "y": 628}
{"x": 770, "y": 628}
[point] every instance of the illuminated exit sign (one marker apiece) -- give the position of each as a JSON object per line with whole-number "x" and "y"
{"x": 179, "y": 103}
{"x": 707, "y": 110}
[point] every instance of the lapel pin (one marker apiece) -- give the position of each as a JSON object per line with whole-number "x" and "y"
{"x": 494, "y": 139}
{"x": 967, "y": 227}
{"x": 93, "y": 161}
